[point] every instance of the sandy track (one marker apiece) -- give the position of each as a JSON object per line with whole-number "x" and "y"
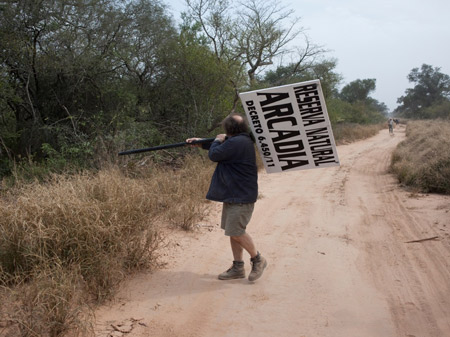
{"x": 339, "y": 264}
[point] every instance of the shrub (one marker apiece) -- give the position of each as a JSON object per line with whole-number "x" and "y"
{"x": 89, "y": 220}
{"x": 73, "y": 239}
{"x": 51, "y": 305}
{"x": 422, "y": 161}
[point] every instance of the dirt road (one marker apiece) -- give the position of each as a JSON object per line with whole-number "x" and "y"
{"x": 339, "y": 262}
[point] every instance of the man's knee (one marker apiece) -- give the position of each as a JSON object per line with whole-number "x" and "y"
{"x": 237, "y": 238}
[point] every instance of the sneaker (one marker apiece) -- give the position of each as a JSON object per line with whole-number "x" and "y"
{"x": 258, "y": 265}
{"x": 234, "y": 272}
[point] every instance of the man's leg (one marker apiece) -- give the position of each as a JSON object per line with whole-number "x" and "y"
{"x": 237, "y": 250}
{"x": 245, "y": 241}
{"x": 238, "y": 243}
{"x": 234, "y": 220}
{"x": 237, "y": 269}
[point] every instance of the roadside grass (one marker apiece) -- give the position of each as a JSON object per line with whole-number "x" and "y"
{"x": 422, "y": 161}
{"x": 65, "y": 245}
{"x": 345, "y": 133}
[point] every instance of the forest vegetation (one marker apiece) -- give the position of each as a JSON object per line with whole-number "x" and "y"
{"x": 80, "y": 81}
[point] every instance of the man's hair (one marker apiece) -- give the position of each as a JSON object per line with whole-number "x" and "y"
{"x": 235, "y": 124}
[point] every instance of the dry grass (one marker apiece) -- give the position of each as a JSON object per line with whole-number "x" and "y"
{"x": 347, "y": 133}
{"x": 422, "y": 161}
{"x": 69, "y": 242}
{"x": 182, "y": 192}
{"x": 52, "y": 304}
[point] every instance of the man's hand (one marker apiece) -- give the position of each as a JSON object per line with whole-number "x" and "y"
{"x": 190, "y": 140}
{"x": 220, "y": 137}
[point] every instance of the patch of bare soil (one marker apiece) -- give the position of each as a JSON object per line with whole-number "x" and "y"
{"x": 349, "y": 252}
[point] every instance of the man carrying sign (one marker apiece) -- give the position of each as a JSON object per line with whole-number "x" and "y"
{"x": 235, "y": 184}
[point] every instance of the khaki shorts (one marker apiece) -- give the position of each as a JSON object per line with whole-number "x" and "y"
{"x": 235, "y": 218}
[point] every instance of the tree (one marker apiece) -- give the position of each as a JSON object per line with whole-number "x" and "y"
{"x": 73, "y": 71}
{"x": 250, "y": 36}
{"x": 56, "y": 55}
{"x": 74, "y": 74}
{"x": 259, "y": 35}
{"x": 358, "y": 90}
{"x": 356, "y": 105}
{"x": 144, "y": 40}
{"x": 196, "y": 90}
{"x": 431, "y": 88}
{"x": 292, "y": 73}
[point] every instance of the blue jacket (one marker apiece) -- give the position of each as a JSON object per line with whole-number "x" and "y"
{"x": 235, "y": 179}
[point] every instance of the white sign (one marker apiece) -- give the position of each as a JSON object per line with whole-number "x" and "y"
{"x": 291, "y": 127}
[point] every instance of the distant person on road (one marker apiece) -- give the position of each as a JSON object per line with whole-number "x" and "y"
{"x": 391, "y": 126}
{"x": 235, "y": 184}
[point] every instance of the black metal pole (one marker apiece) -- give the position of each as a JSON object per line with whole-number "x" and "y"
{"x": 168, "y": 146}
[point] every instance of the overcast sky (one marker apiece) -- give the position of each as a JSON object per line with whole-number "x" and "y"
{"x": 383, "y": 39}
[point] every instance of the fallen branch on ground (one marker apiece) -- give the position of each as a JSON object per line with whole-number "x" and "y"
{"x": 420, "y": 240}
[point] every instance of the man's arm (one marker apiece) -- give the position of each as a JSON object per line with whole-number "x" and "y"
{"x": 221, "y": 149}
